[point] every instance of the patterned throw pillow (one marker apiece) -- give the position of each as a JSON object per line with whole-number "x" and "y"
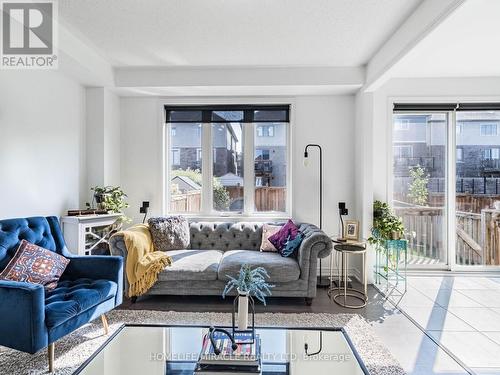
{"x": 267, "y": 231}
{"x": 169, "y": 233}
{"x": 34, "y": 264}
{"x": 292, "y": 245}
{"x": 279, "y": 239}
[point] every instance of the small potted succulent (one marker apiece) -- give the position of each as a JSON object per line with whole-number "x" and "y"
{"x": 250, "y": 282}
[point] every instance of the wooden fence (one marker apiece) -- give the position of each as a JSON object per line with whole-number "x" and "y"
{"x": 477, "y": 235}
{"x": 188, "y": 202}
{"x": 266, "y": 199}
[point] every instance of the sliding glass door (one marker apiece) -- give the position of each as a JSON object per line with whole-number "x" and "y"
{"x": 446, "y": 185}
{"x": 477, "y": 202}
{"x": 420, "y": 184}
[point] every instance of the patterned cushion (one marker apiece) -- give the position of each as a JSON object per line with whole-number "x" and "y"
{"x": 267, "y": 231}
{"x": 169, "y": 233}
{"x": 34, "y": 264}
{"x": 288, "y": 231}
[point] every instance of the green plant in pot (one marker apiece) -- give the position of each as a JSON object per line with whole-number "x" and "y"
{"x": 250, "y": 282}
{"x": 386, "y": 226}
{"x": 111, "y": 198}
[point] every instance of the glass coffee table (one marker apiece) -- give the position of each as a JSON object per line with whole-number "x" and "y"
{"x": 174, "y": 350}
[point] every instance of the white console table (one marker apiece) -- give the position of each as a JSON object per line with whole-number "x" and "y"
{"x": 83, "y": 234}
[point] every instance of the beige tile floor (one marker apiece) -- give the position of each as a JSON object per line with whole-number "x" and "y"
{"x": 462, "y": 313}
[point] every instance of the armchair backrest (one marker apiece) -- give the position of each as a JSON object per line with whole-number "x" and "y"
{"x": 42, "y": 231}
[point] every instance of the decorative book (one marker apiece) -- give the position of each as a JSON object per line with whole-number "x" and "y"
{"x": 247, "y": 353}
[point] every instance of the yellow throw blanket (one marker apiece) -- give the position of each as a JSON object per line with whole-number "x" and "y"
{"x": 143, "y": 262}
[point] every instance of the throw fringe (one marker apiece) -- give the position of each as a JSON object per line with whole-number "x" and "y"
{"x": 149, "y": 278}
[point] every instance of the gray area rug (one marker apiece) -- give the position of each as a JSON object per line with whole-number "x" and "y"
{"x": 74, "y": 349}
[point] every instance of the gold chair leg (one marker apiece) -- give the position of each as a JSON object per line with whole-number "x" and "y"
{"x": 50, "y": 353}
{"x": 105, "y": 324}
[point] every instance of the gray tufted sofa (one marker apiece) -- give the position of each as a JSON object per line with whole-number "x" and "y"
{"x": 218, "y": 249}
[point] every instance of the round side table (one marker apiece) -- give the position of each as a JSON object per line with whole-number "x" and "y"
{"x": 340, "y": 293}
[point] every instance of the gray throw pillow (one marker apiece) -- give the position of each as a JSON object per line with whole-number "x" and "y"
{"x": 169, "y": 233}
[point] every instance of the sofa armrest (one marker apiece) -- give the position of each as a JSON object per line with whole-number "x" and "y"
{"x": 138, "y": 235}
{"x": 97, "y": 267}
{"x": 316, "y": 244}
{"x": 22, "y": 311}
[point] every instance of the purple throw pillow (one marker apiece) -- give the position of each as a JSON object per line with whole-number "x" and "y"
{"x": 288, "y": 231}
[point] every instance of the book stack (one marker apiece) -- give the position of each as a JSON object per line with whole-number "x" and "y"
{"x": 246, "y": 359}
{"x": 87, "y": 212}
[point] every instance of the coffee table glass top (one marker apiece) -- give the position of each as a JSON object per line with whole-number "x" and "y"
{"x": 174, "y": 350}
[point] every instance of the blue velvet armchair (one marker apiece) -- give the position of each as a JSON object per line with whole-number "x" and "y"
{"x": 32, "y": 318}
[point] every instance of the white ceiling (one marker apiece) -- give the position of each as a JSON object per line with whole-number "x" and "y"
{"x": 466, "y": 44}
{"x": 236, "y": 32}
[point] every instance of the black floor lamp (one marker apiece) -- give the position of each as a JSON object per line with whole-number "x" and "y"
{"x": 320, "y": 283}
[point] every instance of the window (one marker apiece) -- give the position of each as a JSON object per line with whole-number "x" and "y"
{"x": 270, "y": 169}
{"x": 176, "y": 156}
{"x": 491, "y": 154}
{"x": 185, "y": 167}
{"x": 227, "y": 143}
{"x": 459, "y": 129}
{"x": 488, "y": 129}
{"x": 404, "y": 151}
{"x": 265, "y": 130}
{"x": 460, "y": 154}
{"x": 223, "y": 132}
{"x": 402, "y": 124}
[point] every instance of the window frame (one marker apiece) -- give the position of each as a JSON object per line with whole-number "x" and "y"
{"x": 207, "y": 211}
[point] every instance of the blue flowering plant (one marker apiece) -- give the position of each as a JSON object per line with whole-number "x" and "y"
{"x": 250, "y": 281}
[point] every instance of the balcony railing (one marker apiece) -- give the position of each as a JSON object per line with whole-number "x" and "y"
{"x": 423, "y": 161}
{"x": 477, "y": 235}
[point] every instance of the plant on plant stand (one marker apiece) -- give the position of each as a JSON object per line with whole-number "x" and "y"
{"x": 110, "y": 198}
{"x": 250, "y": 282}
{"x": 386, "y": 226}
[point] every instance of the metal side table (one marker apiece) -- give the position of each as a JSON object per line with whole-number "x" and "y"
{"x": 340, "y": 292}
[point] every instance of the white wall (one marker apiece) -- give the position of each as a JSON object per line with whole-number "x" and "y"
{"x": 102, "y": 137}
{"x": 327, "y": 120}
{"x": 141, "y": 154}
{"x": 41, "y": 143}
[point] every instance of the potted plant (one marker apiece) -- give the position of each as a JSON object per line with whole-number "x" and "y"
{"x": 386, "y": 225}
{"x": 110, "y": 198}
{"x": 250, "y": 282}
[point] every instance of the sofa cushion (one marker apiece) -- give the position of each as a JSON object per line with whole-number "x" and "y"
{"x": 169, "y": 233}
{"x": 287, "y": 232}
{"x": 267, "y": 231}
{"x": 34, "y": 264}
{"x": 72, "y": 297}
{"x": 192, "y": 265}
{"x": 280, "y": 269}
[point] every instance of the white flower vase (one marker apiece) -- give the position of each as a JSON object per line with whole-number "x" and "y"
{"x": 242, "y": 311}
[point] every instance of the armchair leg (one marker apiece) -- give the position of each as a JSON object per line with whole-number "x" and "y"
{"x": 105, "y": 324}
{"x": 50, "y": 353}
